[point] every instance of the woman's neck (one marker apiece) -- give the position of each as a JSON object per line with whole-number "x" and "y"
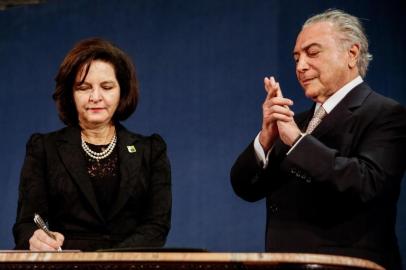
{"x": 100, "y": 135}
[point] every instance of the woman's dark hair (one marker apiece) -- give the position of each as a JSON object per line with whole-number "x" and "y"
{"x": 78, "y": 60}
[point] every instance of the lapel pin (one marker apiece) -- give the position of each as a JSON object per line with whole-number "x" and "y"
{"x": 131, "y": 148}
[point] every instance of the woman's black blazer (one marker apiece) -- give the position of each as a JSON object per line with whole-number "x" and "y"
{"x": 55, "y": 184}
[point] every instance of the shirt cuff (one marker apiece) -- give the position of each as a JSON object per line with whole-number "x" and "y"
{"x": 262, "y": 158}
{"x": 302, "y": 135}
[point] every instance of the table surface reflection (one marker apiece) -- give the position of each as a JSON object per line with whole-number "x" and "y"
{"x": 177, "y": 260}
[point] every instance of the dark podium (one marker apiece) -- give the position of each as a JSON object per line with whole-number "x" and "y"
{"x": 177, "y": 260}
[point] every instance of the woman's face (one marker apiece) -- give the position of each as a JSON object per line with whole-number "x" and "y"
{"x": 97, "y": 98}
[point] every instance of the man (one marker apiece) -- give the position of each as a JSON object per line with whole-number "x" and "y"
{"x": 331, "y": 183}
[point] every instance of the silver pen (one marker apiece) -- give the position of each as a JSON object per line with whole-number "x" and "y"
{"x": 41, "y": 224}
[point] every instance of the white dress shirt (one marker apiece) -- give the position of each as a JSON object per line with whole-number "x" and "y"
{"x": 328, "y": 106}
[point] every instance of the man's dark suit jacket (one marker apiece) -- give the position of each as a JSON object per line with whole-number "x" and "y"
{"x": 336, "y": 192}
{"x": 55, "y": 184}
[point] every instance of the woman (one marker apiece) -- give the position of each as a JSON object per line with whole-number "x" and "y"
{"x": 96, "y": 184}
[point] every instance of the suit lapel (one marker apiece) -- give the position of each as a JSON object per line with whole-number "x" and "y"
{"x": 303, "y": 119}
{"x": 343, "y": 111}
{"x": 130, "y": 158}
{"x": 70, "y": 151}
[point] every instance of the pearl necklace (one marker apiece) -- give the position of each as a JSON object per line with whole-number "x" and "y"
{"x": 98, "y": 156}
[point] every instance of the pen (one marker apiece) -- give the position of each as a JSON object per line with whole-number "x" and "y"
{"x": 41, "y": 224}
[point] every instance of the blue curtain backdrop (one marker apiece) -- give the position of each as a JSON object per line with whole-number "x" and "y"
{"x": 201, "y": 65}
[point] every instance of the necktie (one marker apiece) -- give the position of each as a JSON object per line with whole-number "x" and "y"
{"x": 316, "y": 120}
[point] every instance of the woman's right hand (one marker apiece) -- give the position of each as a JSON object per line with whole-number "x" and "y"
{"x": 40, "y": 241}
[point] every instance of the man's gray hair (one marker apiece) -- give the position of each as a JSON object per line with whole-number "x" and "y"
{"x": 351, "y": 27}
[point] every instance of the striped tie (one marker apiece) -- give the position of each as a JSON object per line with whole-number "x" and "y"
{"x": 316, "y": 120}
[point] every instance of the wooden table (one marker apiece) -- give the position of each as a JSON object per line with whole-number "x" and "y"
{"x": 177, "y": 260}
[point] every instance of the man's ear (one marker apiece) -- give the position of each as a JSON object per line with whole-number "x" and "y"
{"x": 353, "y": 54}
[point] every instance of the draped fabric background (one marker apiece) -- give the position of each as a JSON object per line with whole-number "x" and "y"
{"x": 201, "y": 66}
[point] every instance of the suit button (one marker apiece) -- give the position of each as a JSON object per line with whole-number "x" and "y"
{"x": 273, "y": 208}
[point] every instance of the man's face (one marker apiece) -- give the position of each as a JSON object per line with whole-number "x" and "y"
{"x": 322, "y": 63}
